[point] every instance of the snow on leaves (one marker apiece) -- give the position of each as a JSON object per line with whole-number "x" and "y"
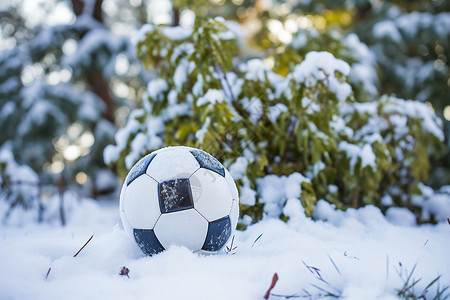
{"x": 316, "y": 120}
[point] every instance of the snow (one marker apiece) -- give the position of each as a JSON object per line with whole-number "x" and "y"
{"x": 8, "y": 109}
{"x": 276, "y": 110}
{"x": 386, "y": 200}
{"x": 106, "y": 180}
{"x": 180, "y": 75}
{"x": 316, "y": 63}
{"x": 438, "y": 205}
{"x": 233, "y": 85}
{"x": 176, "y": 33}
{"x": 38, "y": 114}
{"x": 358, "y": 253}
{"x": 366, "y": 107}
{"x": 435, "y": 204}
{"x": 270, "y": 187}
{"x": 412, "y": 22}
{"x": 197, "y": 89}
{"x": 310, "y": 105}
{"x": 10, "y": 85}
{"x": 300, "y": 40}
{"x": 363, "y": 71}
{"x": 227, "y": 35}
{"x": 292, "y": 188}
{"x": 316, "y": 168}
{"x": 14, "y": 172}
{"x": 90, "y": 106}
{"x": 254, "y": 107}
{"x": 172, "y": 97}
{"x": 294, "y": 211}
{"x": 276, "y": 190}
{"x": 200, "y": 134}
{"x": 356, "y": 152}
{"x": 442, "y": 24}
{"x": 138, "y": 146}
{"x": 321, "y": 66}
{"x": 342, "y": 90}
{"x": 415, "y": 109}
{"x": 96, "y": 48}
{"x": 387, "y": 29}
{"x": 212, "y": 96}
{"x": 112, "y": 152}
{"x": 140, "y": 34}
{"x": 400, "y": 216}
{"x": 338, "y": 124}
{"x": 255, "y": 70}
{"x": 248, "y": 196}
{"x": 156, "y": 88}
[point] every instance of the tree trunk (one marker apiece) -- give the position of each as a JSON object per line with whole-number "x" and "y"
{"x": 61, "y": 191}
{"x": 95, "y": 79}
{"x": 100, "y": 87}
{"x": 95, "y": 12}
{"x": 176, "y": 16}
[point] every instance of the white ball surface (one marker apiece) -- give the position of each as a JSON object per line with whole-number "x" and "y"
{"x": 186, "y": 227}
{"x": 215, "y": 198}
{"x": 141, "y": 213}
{"x": 179, "y": 196}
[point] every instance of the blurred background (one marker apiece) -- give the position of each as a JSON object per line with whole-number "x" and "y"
{"x": 69, "y": 75}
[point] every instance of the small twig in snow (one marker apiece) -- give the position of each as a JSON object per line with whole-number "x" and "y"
{"x": 272, "y": 285}
{"x": 84, "y": 245}
{"x": 48, "y": 272}
{"x": 49, "y": 269}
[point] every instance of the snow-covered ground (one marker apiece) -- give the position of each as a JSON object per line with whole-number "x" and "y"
{"x": 357, "y": 254}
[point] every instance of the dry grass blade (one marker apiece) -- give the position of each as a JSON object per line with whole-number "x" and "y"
{"x": 272, "y": 285}
{"x": 332, "y": 261}
{"x": 259, "y": 236}
{"x": 327, "y": 293}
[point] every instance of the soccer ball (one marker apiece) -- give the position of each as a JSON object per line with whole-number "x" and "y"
{"x": 179, "y": 196}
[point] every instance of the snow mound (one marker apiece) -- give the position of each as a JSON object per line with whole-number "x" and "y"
{"x": 358, "y": 253}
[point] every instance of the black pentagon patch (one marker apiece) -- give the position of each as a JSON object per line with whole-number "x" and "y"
{"x": 208, "y": 161}
{"x": 147, "y": 241}
{"x": 175, "y": 195}
{"x": 140, "y": 167}
{"x": 218, "y": 234}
